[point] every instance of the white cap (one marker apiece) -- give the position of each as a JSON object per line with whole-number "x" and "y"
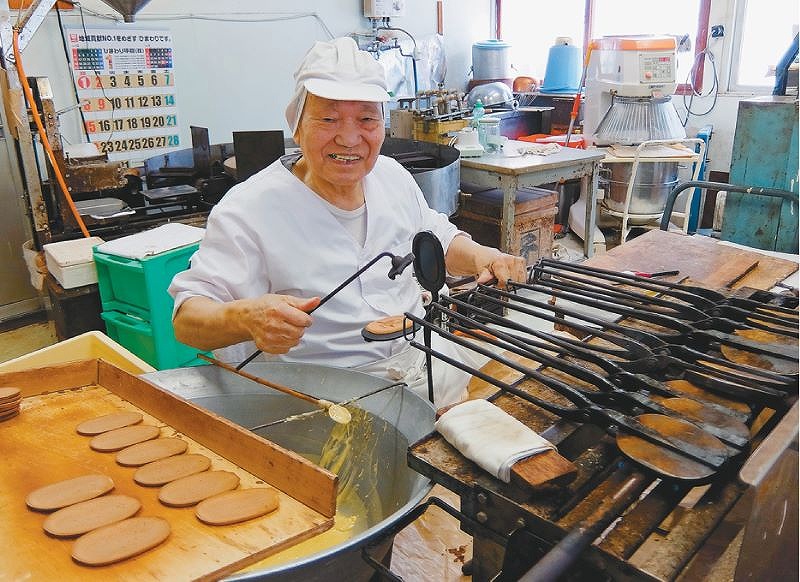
{"x": 337, "y": 70}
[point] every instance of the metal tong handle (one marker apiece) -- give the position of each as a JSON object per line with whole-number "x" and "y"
{"x": 640, "y": 344}
{"x": 610, "y": 393}
{"x": 575, "y": 281}
{"x": 688, "y": 293}
{"x": 685, "y": 331}
{"x": 586, "y": 411}
{"x": 727, "y": 314}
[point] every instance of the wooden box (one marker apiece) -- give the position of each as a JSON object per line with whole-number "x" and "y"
{"x": 40, "y": 446}
{"x": 481, "y": 211}
{"x": 75, "y": 311}
{"x": 436, "y": 131}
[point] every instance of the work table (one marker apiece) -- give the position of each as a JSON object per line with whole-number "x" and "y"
{"x": 510, "y": 171}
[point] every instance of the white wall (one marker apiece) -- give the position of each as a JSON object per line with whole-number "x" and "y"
{"x": 723, "y": 115}
{"x": 233, "y": 76}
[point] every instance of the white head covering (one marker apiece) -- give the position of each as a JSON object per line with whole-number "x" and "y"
{"x": 336, "y": 70}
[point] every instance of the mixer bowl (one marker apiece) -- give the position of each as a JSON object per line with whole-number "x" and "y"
{"x": 654, "y": 181}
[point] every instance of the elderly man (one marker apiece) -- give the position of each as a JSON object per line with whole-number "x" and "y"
{"x": 293, "y": 232}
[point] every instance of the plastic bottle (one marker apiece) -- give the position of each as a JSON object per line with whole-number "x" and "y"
{"x": 477, "y": 112}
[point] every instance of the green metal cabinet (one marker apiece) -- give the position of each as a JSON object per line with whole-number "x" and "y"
{"x": 765, "y": 154}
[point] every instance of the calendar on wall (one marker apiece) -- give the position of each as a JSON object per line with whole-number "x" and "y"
{"x": 126, "y": 86}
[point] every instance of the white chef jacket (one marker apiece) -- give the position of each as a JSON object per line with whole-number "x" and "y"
{"x": 272, "y": 234}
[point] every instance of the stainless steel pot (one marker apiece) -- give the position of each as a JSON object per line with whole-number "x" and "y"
{"x": 654, "y": 181}
{"x": 399, "y": 418}
{"x": 435, "y": 168}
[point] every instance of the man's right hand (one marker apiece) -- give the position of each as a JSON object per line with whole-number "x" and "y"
{"x": 277, "y": 322}
{"x": 274, "y": 322}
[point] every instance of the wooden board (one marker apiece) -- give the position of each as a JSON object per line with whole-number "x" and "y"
{"x": 41, "y": 446}
{"x": 702, "y": 259}
{"x": 547, "y": 469}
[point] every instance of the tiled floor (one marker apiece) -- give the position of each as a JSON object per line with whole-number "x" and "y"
{"x": 26, "y": 339}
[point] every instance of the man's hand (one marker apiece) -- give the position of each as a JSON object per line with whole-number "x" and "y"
{"x": 503, "y": 267}
{"x": 466, "y": 257}
{"x": 277, "y": 322}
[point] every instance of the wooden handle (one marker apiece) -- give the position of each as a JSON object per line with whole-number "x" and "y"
{"x": 280, "y": 388}
{"x": 546, "y": 469}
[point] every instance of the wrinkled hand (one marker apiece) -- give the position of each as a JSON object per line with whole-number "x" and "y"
{"x": 503, "y": 267}
{"x": 277, "y": 322}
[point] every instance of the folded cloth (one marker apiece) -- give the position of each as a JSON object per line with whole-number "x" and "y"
{"x": 490, "y": 437}
{"x": 540, "y": 149}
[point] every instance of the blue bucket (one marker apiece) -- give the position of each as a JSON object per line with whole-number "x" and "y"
{"x": 563, "y": 73}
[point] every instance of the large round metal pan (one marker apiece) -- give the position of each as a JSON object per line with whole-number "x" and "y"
{"x": 405, "y": 417}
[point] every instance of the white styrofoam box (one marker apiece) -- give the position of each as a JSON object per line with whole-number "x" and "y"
{"x": 71, "y": 261}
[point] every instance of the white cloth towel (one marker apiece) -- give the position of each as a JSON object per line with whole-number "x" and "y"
{"x": 540, "y": 149}
{"x": 490, "y": 437}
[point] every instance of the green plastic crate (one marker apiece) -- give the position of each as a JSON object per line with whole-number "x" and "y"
{"x": 139, "y": 286}
{"x": 137, "y": 308}
{"x": 155, "y": 344}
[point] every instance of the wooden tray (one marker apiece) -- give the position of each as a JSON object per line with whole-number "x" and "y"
{"x": 40, "y": 446}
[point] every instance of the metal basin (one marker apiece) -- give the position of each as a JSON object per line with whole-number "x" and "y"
{"x": 398, "y": 417}
{"x": 435, "y": 168}
{"x": 654, "y": 181}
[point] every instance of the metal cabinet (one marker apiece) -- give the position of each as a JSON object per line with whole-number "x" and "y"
{"x": 765, "y": 154}
{"x": 17, "y": 296}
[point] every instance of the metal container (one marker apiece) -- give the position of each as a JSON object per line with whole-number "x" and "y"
{"x": 654, "y": 181}
{"x": 490, "y": 60}
{"x": 435, "y": 168}
{"x": 399, "y": 417}
{"x": 491, "y": 94}
{"x": 516, "y": 123}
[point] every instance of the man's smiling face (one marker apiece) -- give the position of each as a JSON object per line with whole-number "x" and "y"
{"x": 340, "y": 140}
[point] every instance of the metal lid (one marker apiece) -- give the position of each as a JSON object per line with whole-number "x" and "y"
{"x": 632, "y": 120}
{"x": 491, "y": 44}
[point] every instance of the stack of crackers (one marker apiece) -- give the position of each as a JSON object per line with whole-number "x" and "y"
{"x": 9, "y": 402}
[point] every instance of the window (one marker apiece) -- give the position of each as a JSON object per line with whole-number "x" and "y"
{"x": 761, "y": 39}
{"x": 532, "y": 27}
{"x": 523, "y": 25}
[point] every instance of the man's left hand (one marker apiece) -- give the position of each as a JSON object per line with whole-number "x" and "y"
{"x": 504, "y": 267}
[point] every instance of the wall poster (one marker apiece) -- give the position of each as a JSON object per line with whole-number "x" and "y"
{"x": 126, "y": 85}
